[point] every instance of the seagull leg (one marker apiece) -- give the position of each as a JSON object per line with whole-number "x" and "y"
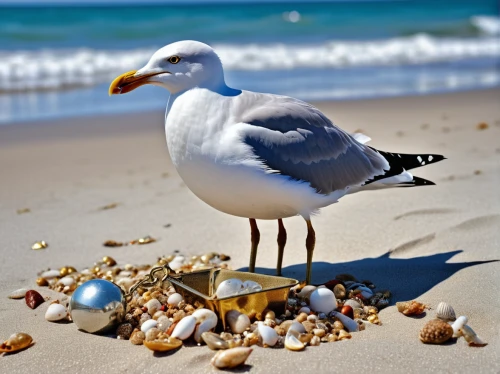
{"x": 281, "y": 245}
{"x": 255, "y": 238}
{"x": 310, "y": 243}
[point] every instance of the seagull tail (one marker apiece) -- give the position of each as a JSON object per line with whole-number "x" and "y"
{"x": 410, "y": 161}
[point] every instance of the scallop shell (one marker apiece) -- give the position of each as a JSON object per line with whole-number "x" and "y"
{"x": 16, "y": 342}
{"x": 184, "y": 328}
{"x": 471, "y": 337}
{"x": 206, "y": 320}
{"x": 18, "y": 294}
{"x": 268, "y": 335}
{"x": 323, "y": 300}
{"x": 231, "y": 358}
{"x": 56, "y": 312}
{"x": 436, "y": 332}
{"x": 445, "y": 312}
{"x": 163, "y": 345}
{"x": 238, "y": 322}
{"x": 292, "y": 341}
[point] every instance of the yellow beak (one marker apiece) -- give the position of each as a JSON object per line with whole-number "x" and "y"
{"x": 128, "y": 82}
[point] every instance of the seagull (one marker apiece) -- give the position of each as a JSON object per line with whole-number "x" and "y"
{"x": 257, "y": 155}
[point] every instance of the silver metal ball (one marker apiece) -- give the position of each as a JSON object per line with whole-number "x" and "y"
{"x": 97, "y": 305}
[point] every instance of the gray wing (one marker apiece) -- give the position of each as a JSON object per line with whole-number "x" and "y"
{"x": 295, "y": 139}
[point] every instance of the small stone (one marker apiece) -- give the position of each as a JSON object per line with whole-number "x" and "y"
{"x": 482, "y": 126}
{"x": 309, "y": 326}
{"x": 315, "y": 340}
{"x": 301, "y": 317}
{"x": 137, "y": 337}
{"x": 33, "y": 299}
{"x": 152, "y": 334}
{"x": 124, "y": 331}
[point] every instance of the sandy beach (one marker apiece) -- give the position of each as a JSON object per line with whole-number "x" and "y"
{"x": 432, "y": 244}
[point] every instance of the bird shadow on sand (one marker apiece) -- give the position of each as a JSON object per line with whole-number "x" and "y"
{"x": 407, "y": 278}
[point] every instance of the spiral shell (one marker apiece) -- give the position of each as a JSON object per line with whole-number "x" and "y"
{"x": 445, "y": 312}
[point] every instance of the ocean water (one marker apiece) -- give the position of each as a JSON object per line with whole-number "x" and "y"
{"x": 58, "y": 60}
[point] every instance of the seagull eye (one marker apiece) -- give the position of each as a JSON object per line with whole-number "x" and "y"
{"x": 174, "y": 59}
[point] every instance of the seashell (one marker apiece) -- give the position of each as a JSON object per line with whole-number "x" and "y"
{"x": 125, "y": 283}
{"x": 344, "y": 335}
{"x": 347, "y": 311}
{"x": 66, "y": 281}
{"x": 305, "y": 310}
{"x": 163, "y": 345}
{"x": 305, "y": 338}
{"x": 306, "y": 291}
{"x": 153, "y": 306}
{"x": 319, "y": 332}
{"x": 339, "y": 291}
{"x": 152, "y": 334}
{"x": 457, "y": 326}
{"x": 18, "y": 294}
{"x": 348, "y": 323}
{"x": 312, "y": 318}
{"x": 55, "y": 312}
{"x": 137, "y": 337}
{"x": 229, "y": 287}
{"x": 268, "y": 335}
{"x": 33, "y": 299}
{"x": 16, "y": 342}
{"x": 301, "y": 317}
{"x": 42, "y": 282}
{"x": 373, "y": 318}
{"x": 231, "y": 358}
{"x": 471, "y": 337}
{"x": 148, "y": 324}
{"x": 251, "y": 286}
{"x": 445, "y": 312}
{"x": 411, "y": 308}
{"x": 323, "y": 300}
{"x": 184, "y": 328}
{"x": 174, "y": 299}
{"x": 436, "y": 332}
{"x": 163, "y": 323}
{"x": 353, "y": 304}
{"x": 50, "y": 274}
{"x": 297, "y": 326}
{"x": 292, "y": 341}
{"x": 214, "y": 341}
{"x": 39, "y": 245}
{"x": 332, "y": 338}
{"x": 124, "y": 331}
{"x": 206, "y": 320}
{"x": 238, "y": 322}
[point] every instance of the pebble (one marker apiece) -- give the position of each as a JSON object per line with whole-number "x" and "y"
{"x": 56, "y": 312}
{"x": 149, "y": 324}
{"x": 33, "y": 299}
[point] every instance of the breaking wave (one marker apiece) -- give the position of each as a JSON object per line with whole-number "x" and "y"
{"x": 62, "y": 69}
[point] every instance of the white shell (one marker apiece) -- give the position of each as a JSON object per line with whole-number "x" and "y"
{"x": 251, "y": 286}
{"x": 184, "y": 328}
{"x": 445, "y": 312}
{"x": 55, "y": 312}
{"x": 153, "y": 306}
{"x": 230, "y": 358}
{"x": 269, "y": 335}
{"x": 323, "y": 300}
{"x": 177, "y": 262}
{"x": 229, "y": 287}
{"x": 457, "y": 326}
{"x": 305, "y": 310}
{"x": 66, "y": 281}
{"x": 238, "y": 322}
{"x": 206, "y": 319}
{"x": 18, "y": 294}
{"x": 350, "y": 324}
{"x": 352, "y": 303}
{"x": 292, "y": 341}
{"x": 148, "y": 325}
{"x": 174, "y": 299}
{"x": 49, "y": 274}
{"x": 471, "y": 337}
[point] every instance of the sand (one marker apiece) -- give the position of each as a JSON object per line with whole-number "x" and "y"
{"x": 429, "y": 243}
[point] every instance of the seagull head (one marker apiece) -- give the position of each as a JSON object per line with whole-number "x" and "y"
{"x": 177, "y": 67}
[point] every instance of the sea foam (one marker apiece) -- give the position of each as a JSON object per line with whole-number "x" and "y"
{"x": 61, "y": 69}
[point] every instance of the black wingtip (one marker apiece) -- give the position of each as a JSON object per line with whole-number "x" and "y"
{"x": 417, "y": 181}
